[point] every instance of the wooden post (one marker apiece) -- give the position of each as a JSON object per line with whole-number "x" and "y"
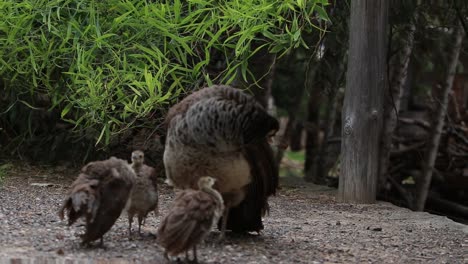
{"x": 366, "y": 82}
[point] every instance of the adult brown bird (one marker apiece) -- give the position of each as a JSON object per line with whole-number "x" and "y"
{"x": 99, "y": 195}
{"x": 192, "y": 215}
{"x": 144, "y": 196}
{"x": 223, "y": 132}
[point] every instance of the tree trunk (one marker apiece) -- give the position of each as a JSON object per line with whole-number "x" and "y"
{"x": 397, "y": 77}
{"x": 424, "y": 182}
{"x": 293, "y": 80}
{"x": 292, "y": 120}
{"x": 295, "y": 141}
{"x": 312, "y": 128}
{"x": 363, "y": 103}
{"x": 332, "y": 72}
{"x": 283, "y": 141}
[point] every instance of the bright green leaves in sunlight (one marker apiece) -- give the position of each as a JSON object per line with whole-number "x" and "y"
{"x": 106, "y": 64}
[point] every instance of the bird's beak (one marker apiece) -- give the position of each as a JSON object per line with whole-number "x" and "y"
{"x": 272, "y": 136}
{"x": 271, "y": 140}
{"x": 274, "y": 141}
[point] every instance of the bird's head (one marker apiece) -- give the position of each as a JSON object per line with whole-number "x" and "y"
{"x": 138, "y": 157}
{"x": 273, "y": 127}
{"x": 271, "y": 136}
{"x": 206, "y": 182}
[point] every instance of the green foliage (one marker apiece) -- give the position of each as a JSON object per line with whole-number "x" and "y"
{"x": 293, "y": 164}
{"x": 298, "y": 156}
{"x": 104, "y": 65}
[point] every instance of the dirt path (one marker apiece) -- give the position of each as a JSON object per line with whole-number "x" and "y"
{"x": 305, "y": 225}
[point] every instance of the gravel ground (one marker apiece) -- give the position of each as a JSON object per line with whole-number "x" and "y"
{"x": 305, "y": 225}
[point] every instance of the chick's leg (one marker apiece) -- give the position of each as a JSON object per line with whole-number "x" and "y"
{"x": 195, "y": 259}
{"x": 130, "y": 220}
{"x": 140, "y": 221}
{"x": 224, "y": 223}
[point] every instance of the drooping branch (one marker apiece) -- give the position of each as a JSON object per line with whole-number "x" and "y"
{"x": 417, "y": 122}
{"x": 440, "y": 202}
{"x": 402, "y": 191}
{"x": 423, "y": 184}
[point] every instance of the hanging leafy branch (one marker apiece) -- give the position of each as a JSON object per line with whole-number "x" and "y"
{"x": 106, "y": 64}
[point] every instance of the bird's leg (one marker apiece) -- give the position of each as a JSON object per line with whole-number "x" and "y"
{"x": 130, "y": 220}
{"x": 195, "y": 259}
{"x": 140, "y": 220}
{"x": 101, "y": 243}
{"x": 85, "y": 244}
{"x": 187, "y": 258}
{"x": 170, "y": 259}
{"x": 224, "y": 223}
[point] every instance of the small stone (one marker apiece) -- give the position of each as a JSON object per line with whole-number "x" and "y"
{"x": 338, "y": 223}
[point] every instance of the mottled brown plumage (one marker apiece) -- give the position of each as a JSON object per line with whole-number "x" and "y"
{"x": 144, "y": 196}
{"x": 99, "y": 195}
{"x": 222, "y": 132}
{"x": 191, "y": 218}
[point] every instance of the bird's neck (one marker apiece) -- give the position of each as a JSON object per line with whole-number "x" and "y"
{"x": 136, "y": 166}
{"x": 215, "y": 194}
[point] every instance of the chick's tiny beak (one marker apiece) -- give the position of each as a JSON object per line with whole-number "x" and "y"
{"x": 270, "y": 140}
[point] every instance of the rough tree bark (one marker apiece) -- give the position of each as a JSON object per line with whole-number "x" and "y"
{"x": 398, "y": 74}
{"x": 363, "y": 103}
{"x": 424, "y": 182}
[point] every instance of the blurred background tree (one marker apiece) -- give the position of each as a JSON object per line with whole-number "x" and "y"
{"x": 420, "y": 44}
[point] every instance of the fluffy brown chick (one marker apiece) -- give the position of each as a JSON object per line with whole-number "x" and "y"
{"x": 99, "y": 195}
{"x": 192, "y": 215}
{"x": 144, "y": 196}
